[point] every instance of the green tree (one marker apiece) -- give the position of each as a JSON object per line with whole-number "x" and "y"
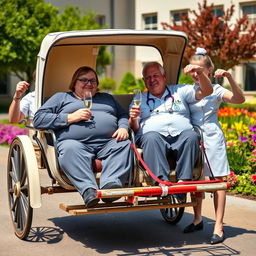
{"x": 107, "y": 84}
{"x": 23, "y": 25}
{"x": 185, "y": 79}
{"x": 129, "y": 83}
{"x": 227, "y": 44}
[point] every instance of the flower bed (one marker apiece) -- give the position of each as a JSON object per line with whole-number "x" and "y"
{"x": 8, "y": 133}
{"x": 239, "y": 127}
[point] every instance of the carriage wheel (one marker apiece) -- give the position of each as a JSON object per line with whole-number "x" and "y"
{"x": 18, "y": 190}
{"x": 172, "y": 215}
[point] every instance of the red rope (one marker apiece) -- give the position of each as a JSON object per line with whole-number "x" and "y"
{"x": 167, "y": 183}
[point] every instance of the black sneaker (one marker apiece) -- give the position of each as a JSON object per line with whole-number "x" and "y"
{"x": 90, "y": 197}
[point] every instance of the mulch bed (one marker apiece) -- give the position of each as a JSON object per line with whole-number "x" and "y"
{"x": 250, "y": 197}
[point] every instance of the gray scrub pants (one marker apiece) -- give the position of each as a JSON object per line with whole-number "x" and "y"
{"x": 157, "y": 148}
{"x": 75, "y": 159}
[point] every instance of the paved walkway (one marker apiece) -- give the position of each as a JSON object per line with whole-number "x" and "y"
{"x": 3, "y": 116}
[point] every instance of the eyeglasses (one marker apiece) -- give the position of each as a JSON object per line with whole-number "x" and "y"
{"x": 87, "y": 81}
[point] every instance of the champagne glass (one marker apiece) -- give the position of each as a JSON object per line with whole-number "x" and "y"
{"x": 137, "y": 98}
{"x": 88, "y": 99}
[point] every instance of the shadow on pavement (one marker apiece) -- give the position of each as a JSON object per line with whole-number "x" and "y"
{"x": 48, "y": 235}
{"x": 139, "y": 233}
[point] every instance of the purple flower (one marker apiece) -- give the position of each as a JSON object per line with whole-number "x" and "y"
{"x": 243, "y": 139}
{"x": 8, "y": 133}
{"x": 254, "y": 137}
{"x": 252, "y": 128}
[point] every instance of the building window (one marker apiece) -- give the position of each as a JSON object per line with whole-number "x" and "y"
{"x": 3, "y": 84}
{"x": 250, "y": 77}
{"x": 150, "y": 22}
{"x": 250, "y": 10}
{"x": 177, "y": 16}
{"x": 218, "y": 11}
{"x": 101, "y": 20}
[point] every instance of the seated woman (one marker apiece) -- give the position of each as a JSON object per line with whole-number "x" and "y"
{"x": 84, "y": 134}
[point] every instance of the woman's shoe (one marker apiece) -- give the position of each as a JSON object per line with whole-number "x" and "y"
{"x": 192, "y": 227}
{"x": 217, "y": 239}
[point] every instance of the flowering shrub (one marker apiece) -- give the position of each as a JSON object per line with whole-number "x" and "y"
{"x": 253, "y": 178}
{"x": 232, "y": 179}
{"x": 8, "y": 133}
{"x": 244, "y": 185}
{"x": 239, "y": 127}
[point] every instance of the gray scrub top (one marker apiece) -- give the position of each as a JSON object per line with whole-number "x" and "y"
{"x": 108, "y": 116}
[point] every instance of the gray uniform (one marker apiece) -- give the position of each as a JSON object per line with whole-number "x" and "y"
{"x": 81, "y": 142}
{"x": 204, "y": 113}
{"x": 165, "y": 130}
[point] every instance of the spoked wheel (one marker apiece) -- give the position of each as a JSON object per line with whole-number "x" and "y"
{"x": 18, "y": 190}
{"x": 172, "y": 215}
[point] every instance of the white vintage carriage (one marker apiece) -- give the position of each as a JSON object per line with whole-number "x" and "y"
{"x": 60, "y": 55}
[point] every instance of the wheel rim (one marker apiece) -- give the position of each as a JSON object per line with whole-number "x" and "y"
{"x": 18, "y": 191}
{"x": 172, "y": 215}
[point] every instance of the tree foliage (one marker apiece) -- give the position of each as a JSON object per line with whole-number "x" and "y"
{"x": 23, "y": 25}
{"x": 129, "y": 83}
{"x": 227, "y": 44}
{"x": 107, "y": 84}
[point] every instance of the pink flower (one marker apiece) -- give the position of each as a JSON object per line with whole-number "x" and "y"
{"x": 232, "y": 179}
{"x": 253, "y": 178}
{"x": 8, "y": 133}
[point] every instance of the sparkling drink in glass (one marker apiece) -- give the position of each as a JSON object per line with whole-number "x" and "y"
{"x": 88, "y": 99}
{"x": 137, "y": 98}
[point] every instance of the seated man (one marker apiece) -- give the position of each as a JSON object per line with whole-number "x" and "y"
{"x": 162, "y": 123}
{"x": 84, "y": 134}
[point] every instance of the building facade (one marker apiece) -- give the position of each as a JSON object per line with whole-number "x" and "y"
{"x": 148, "y": 14}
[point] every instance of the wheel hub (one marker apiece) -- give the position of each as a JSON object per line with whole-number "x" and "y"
{"x": 16, "y": 189}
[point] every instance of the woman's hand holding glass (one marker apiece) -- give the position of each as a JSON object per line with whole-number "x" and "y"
{"x": 79, "y": 115}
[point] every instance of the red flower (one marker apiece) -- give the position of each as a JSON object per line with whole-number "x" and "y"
{"x": 232, "y": 179}
{"x": 253, "y": 178}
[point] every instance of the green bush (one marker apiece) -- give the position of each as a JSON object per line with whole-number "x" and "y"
{"x": 4, "y": 107}
{"x": 248, "y": 106}
{"x": 244, "y": 185}
{"x": 129, "y": 83}
{"x": 107, "y": 84}
{"x": 185, "y": 79}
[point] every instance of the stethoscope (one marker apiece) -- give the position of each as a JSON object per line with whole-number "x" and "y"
{"x": 166, "y": 97}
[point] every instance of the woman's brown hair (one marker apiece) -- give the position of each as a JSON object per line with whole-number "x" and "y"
{"x": 80, "y": 71}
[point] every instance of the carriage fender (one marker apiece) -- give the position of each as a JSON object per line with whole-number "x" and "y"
{"x": 32, "y": 171}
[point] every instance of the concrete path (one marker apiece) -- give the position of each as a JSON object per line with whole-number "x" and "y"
{"x": 138, "y": 233}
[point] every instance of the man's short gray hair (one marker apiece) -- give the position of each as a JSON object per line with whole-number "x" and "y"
{"x": 152, "y": 63}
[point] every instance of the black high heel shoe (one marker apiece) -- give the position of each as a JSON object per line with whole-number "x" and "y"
{"x": 192, "y": 227}
{"x": 215, "y": 239}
